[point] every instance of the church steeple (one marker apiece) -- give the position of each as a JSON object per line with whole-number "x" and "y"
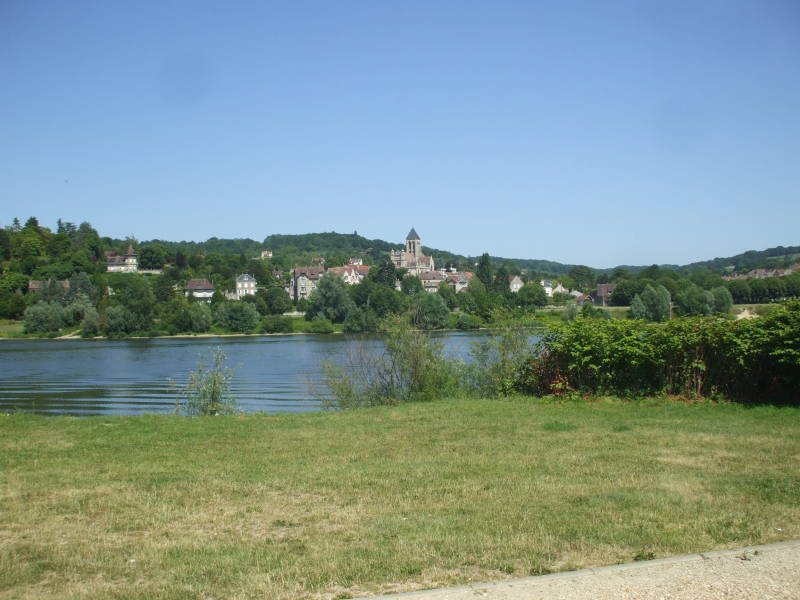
{"x": 413, "y": 243}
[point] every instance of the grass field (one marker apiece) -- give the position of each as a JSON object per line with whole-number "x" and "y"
{"x": 337, "y": 505}
{"x": 10, "y": 328}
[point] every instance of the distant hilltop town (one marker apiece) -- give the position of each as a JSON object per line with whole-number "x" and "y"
{"x": 303, "y": 280}
{"x": 411, "y": 259}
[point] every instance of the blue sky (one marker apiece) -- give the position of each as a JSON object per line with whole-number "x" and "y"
{"x": 600, "y": 133}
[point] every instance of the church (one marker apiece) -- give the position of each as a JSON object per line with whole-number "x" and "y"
{"x": 412, "y": 258}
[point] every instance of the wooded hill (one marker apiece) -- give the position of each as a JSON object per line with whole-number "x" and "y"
{"x": 338, "y": 248}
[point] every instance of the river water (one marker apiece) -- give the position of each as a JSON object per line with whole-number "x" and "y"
{"x": 85, "y": 377}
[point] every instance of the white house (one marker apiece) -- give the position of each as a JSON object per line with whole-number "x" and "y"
{"x": 122, "y": 263}
{"x": 548, "y": 287}
{"x": 515, "y": 283}
{"x": 245, "y": 286}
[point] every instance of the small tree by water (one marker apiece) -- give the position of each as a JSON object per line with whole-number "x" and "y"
{"x": 207, "y": 390}
{"x": 412, "y": 367}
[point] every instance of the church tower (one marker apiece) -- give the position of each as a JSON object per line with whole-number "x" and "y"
{"x": 413, "y": 243}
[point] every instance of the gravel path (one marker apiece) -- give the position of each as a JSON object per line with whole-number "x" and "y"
{"x": 770, "y": 572}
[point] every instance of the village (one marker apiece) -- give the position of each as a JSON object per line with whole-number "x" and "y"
{"x": 303, "y": 280}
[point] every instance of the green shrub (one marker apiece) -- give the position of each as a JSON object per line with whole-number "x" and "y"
{"x": 276, "y": 324}
{"x": 241, "y": 317}
{"x": 321, "y": 326}
{"x": 497, "y": 361}
{"x": 754, "y": 360}
{"x": 207, "y": 390}
{"x": 466, "y": 321}
{"x": 359, "y": 320}
{"x": 44, "y": 317}
{"x": 90, "y": 326}
{"x": 412, "y": 367}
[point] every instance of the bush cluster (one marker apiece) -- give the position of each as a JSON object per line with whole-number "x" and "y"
{"x": 755, "y": 360}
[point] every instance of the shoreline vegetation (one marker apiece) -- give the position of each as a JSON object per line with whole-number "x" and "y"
{"x": 347, "y": 504}
{"x": 541, "y": 320}
{"x": 67, "y": 279}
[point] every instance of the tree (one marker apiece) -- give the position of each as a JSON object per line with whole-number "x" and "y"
{"x": 624, "y": 292}
{"x": 80, "y": 284}
{"x": 12, "y": 305}
{"x": 376, "y": 297}
{"x": 138, "y": 298}
{"x": 722, "y": 300}
{"x": 52, "y": 291}
{"x": 740, "y": 290}
{"x": 152, "y": 256}
{"x": 240, "y": 317}
{"x": 758, "y": 290}
{"x": 638, "y": 310}
{"x": 330, "y": 300}
{"x": 44, "y": 317}
{"x": 120, "y": 320}
{"x": 278, "y": 301}
{"x": 411, "y": 285}
{"x": 428, "y": 311}
{"x": 207, "y": 390}
{"x": 5, "y": 245}
{"x": 200, "y": 317}
{"x": 384, "y": 273}
{"x": 359, "y": 320}
{"x": 776, "y": 289}
{"x": 163, "y": 288}
{"x": 500, "y": 283}
{"x": 583, "y": 277}
{"x": 484, "y": 270}
{"x": 530, "y": 296}
{"x": 693, "y": 300}
{"x": 656, "y": 302}
{"x": 448, "y": 295}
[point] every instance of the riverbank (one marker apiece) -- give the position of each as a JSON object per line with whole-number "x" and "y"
{"x": 71, "y": 335}
{"x": 354, "y": 503}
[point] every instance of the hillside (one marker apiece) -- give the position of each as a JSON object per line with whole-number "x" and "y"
{"x": 338, "y": 248}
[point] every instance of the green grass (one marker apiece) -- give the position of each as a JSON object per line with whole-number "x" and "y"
{"x": 10, "y": 328}
{"x": 353, "y": 503}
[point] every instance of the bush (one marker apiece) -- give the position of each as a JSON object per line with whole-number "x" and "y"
{"x": 90, "y": 326}
{"x": 241, "y": 317}
{"x": 276, "y": 324}
{"x": 321, "y": 326}
{"x": 412, "y": 367}
{"x": 120, "y": 321}
{"x": 44, "y": 317}
{"x": 207, "y": 390}
{"x": 753, "y": 360}
{"x": 359, "y": 320}
{"x": 466, "y": 321}
{"x": 12, "y": 305}
{"x": 570, "y": 312}
{"x": 428, "y": 311}
{"x": 497, "y": 362}
{"x": 200, "y": 317}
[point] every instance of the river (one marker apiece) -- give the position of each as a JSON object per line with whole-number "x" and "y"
{"x": 90, "y": 377}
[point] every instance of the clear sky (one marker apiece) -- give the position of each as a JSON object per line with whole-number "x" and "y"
{"x": 600, "y": 133}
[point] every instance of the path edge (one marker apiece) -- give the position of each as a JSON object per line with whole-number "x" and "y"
{"x": 591, "y": 571}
